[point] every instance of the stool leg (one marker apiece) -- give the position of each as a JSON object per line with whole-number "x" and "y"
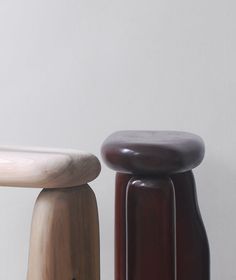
{"x": 120, "y": 225}
{"x": 193, "y": 258}
{"x": 151, "y": 229}
{"x": 65, "y": 236}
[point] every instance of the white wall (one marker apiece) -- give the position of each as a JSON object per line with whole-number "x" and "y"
{"x": 72, "y": 72}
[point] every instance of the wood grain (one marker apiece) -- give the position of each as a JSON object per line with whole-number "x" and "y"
{"x": 46, "y": 167}
{"x": 151, "y": 229}
{"x": 65, "y": 236}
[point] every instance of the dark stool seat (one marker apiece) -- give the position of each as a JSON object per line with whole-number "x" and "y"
{"x": 159, "y": 232}
{"x": 153, "y": 152}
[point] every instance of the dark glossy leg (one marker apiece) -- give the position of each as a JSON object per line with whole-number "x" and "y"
{"x": 120, "y": 225}
{"x": 193, "y": 261}
{"x": 151, "y": 229}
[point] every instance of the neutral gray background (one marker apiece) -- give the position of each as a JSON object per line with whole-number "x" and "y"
{"x": 71, "y": 72}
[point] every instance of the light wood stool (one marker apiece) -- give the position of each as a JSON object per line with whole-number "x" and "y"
{"x": 159, "y": 233}
{"x": 64, "y": 241}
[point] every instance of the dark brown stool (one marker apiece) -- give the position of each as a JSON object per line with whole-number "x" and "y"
{"x": 159, "y": 233}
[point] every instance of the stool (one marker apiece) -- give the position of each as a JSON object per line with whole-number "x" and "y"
{"x": 159, "y": 233}
{"x": 64, "y": 241}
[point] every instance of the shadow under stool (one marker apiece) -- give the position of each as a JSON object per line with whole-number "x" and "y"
{"x": 159, "y": 233}
{"x": 64, "y": 241}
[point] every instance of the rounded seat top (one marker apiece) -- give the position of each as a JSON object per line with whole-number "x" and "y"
{"x": 153, "y": 152}
{"x": 46, "y": 167}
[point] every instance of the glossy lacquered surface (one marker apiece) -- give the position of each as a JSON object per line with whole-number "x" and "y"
{"x": 152, "y": 152}
{"x": 193, "y": 257}
{"x": 152, "y": 212}
{"x": 159, "y": 233}
{"x": 151, "y": 229}
{"x": 120, "y": 225}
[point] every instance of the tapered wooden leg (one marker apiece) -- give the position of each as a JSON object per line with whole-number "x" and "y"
{"x": 120, "y": 225}
{"x": 65, "y": 236}
{"x": 151, "y": 229}
{"x": 193, "y": 258}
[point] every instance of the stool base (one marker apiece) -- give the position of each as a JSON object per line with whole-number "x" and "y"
{"x": 65, "y": 236}
{"x": 151, "y": 229}
{"x": 159, "y": 233}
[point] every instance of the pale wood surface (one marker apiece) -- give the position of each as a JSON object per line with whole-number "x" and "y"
{"x": 65, "y": 236}
{"x": 46, "y": 167}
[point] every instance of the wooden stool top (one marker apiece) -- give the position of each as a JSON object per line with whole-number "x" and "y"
{"x": 46, "y": 168}
{"x": 152, "y": 152}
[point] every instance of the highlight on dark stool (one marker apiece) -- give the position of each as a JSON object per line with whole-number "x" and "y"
{"x": 159, "y": 233}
